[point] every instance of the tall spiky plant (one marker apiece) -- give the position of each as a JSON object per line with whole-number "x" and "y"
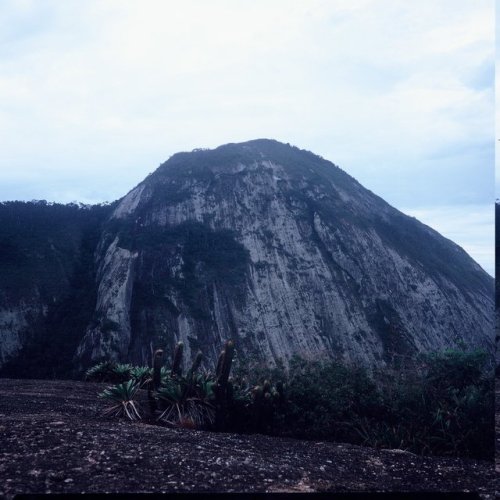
{"x": 221, "y": 387}
{"x": 196, "y": 363}
{"x": 155, "y": 383}
{"x": 191, "y": 375}
{"x": 157, "y": 362}
{"x": 220, "y": 361}
{"x": 177, "y": 360}
{"x": 225, "y": 365}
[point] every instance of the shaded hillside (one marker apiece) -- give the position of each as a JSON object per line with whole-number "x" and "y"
{"x": 47, "y": 283}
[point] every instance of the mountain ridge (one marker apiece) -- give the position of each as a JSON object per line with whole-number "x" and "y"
{"x": 280, "y": 185}
{"x": 282, "y": 251}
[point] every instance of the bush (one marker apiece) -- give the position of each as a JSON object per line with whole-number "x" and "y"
{"x": 454, "y": 368}
{"x": 446, "y": 408}
{"x": 324, "y": 399}
{"x": 439, "y": 403}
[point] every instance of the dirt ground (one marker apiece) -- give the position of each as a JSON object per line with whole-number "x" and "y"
{"x": 53, "y": 440}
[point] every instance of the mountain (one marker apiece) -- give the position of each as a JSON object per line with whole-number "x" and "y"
{"x": 497, "y": 285}
{"x": 47, "y": 283}
{"x": 282, "y": 251}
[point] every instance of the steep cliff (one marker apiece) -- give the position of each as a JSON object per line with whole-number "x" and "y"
{"x": 285, "y": 253}
{"x": 47, "y": 283}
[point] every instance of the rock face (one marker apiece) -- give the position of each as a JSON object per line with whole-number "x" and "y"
{"x": 285, "y": 253}
{"x": 46, "y": 281}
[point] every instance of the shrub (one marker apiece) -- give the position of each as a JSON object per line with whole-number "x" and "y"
{"x": 439, "y": 403}
{"x": 454, "y": 368}
{"x": 445, "y": 407}
{"x": 324, "y": 398}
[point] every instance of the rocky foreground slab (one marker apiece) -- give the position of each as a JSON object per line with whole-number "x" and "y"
{"x": 53, "y": 440}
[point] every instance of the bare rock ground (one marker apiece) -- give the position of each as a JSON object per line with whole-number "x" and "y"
{"x": 53, "y": 440}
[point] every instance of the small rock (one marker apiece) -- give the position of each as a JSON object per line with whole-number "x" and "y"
{"x": 56, "y": 476}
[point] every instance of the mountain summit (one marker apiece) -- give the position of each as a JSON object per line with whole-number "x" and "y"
{"x": 284, "y": 252}
{"x": 261, "y": 242}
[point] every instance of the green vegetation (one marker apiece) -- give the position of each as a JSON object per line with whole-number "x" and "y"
{"x": 208, "y": 258}
{"x": 187, "y": 401}
{"x": 41, "y": 243}
{"x": 108, "y": 371}
{"x": 442, "y": 404}
{"x": 439, "y": 403}
{"x": 219, "y": 254}
{"x": 122, "y": 395}
{"x": 142, "y": 374}
{"x": 47, "y": 256}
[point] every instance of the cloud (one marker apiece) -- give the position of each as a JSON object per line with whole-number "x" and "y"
{"x": 97, "y": 94}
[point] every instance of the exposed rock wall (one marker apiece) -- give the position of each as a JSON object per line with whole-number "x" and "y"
{"x": 18, "y": 324}
{"x": 325, "y": 268}
{"x": 112, "y": 332}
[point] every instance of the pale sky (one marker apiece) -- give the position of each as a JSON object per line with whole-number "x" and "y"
{"x": 94, "y": 95}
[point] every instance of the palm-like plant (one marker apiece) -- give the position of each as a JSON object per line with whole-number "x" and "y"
{"x": 204, "y": 384}
{"x": 141, "y": 374}
{"x": 186, "y": 401}
{"x": 122, "y": 372}
{"x": 109, "y": 371}
{"x": 101, "y": 372}
{"x": 165, "y": 374}
{"x": 122, "y": 395}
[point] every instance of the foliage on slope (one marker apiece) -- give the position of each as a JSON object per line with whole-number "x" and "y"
{"x": 439, "y": 403}
{"x": 47, "y": 257}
